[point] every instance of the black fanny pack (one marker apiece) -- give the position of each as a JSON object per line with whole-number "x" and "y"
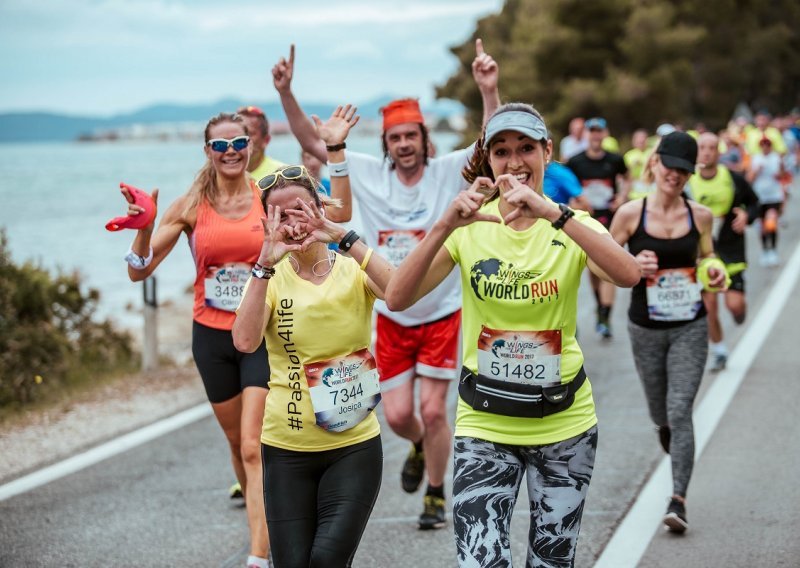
{"x": 513, "y": 399}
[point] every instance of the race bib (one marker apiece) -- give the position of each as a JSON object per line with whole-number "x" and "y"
{"x": 598, "y": 193}
{"x": 224, "y": 285}
{"x": 673, "y": 294}
{"x": 523, "y": 357}
{"x": 343, "y": 390}
{"x": 395, "y": 246}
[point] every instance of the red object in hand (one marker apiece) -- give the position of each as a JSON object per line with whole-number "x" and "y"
{"x": 142, "y": 199}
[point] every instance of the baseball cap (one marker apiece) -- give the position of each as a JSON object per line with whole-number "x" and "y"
{"x": 665, "y": 129}
{"x": 519, "y": 121}
{"x": 678, "y": 151}
{"x": 595, "y": 123}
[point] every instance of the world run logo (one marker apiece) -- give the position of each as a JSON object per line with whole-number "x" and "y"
{"x": 493, "y": 278}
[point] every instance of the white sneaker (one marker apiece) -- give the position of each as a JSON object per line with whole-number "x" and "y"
{"x": 773, "y": 258}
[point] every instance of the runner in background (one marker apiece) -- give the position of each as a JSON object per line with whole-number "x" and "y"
{"x": 314, "y": 167}
{"x": 636, "y": 159}
{"x": 734, "y": 205}
{"x": 766, "y": 172}
{"x": 258, "y": 127}
{"x": 604, "y": 177}
{"x": 399, "y": 197}
{"x": 525, "y": 407}
{"x": 671, "y": 239}
{"x": 755, "y": 133}
{"x": 221, "y": 217}
{"x": 575, "y": 142}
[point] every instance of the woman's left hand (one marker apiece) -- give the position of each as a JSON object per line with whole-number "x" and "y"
{"x": 312, "y": 221}
{"x": 526, "y": 202}
{"x": 716, "y": 279}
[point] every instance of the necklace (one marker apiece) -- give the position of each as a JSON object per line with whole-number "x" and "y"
{"x": 330, "y": 260}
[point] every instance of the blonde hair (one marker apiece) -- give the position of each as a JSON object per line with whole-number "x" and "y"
{"x": 307, "y": 182}
{"x": 204, "y": 186}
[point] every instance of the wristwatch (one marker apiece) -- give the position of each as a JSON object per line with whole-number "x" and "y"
{"x": 263, "y": 272}
{"x": 566, "y": 215}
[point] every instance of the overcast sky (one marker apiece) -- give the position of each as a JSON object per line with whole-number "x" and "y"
{"x": 101, "y": 57}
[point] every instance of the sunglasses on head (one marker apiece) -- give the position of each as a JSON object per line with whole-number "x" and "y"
{"x": 288, "y": 173}
{"x": 221, "y": 144}
{"x": 250, "y": 110}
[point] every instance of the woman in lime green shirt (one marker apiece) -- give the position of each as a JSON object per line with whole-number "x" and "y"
{"x": 525, "y": 405}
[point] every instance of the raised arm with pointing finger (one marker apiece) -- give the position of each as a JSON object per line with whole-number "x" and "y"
{"x": 485, "y": 71}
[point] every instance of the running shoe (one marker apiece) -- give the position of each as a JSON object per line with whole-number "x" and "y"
{"x": 664, "y": 436}
{"x": 236, "y": 491}
{"x": 720, "y": 360}
{"x": 675, "y": 518}
{"x": 413, "y": 470}
{"x": 604, "y": 330}
{"x": 432, "y": 516}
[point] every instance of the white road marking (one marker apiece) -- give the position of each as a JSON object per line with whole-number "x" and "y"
{"x": 633, "y": 536}
{"x": 103, "y": 452}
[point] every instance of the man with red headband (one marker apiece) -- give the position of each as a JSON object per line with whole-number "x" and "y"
{"x": 398, "y": 199}
{"x": 258, "y": 129}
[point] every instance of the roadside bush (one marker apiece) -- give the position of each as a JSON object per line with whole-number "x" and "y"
{"x": 49, "y": 339}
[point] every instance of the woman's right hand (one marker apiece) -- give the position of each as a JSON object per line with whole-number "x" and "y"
{"x": 335, "y": 130}
{"x": 275, "y": 246}
{"x": 134, "y": 209}
{"x": 465, "y": 208}
{"x": 648, "y": 262}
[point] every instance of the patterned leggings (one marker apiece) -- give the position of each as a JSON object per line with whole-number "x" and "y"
{"x": 670, "y": 363}
{"x": 485, "y": 487}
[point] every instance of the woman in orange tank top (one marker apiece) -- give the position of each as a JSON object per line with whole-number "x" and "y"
{"x": 221, "y": 217}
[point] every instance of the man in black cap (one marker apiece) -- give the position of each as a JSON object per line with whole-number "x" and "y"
{"x": 604, "y": 178}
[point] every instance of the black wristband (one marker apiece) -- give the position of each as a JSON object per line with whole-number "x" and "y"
{"x": 566, "y": 215}
{"x": 263, "y": 272}
{"x": 348, "y": 241}
{"x": 336, "y": 147}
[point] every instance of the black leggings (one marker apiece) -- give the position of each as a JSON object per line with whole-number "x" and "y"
{"x": 318, "y": 503}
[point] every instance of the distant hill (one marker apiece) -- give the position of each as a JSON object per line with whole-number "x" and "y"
{"x": 46, "y": 126}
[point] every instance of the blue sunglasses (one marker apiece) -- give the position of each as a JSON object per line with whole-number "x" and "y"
{"x": 221, "y": 145}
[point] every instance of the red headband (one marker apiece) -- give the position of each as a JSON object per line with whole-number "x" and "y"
{"x": 401, "y": 111}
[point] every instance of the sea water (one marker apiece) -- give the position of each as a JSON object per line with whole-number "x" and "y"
{"x": 55, "y": 199}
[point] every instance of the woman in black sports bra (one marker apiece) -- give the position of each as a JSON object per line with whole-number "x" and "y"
{"x": 669, "y": 235}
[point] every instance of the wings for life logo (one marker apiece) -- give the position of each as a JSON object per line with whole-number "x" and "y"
{"x": 233, "y": 274}
{"x": 496, "y": 279}
{"x": 334, "y": 377}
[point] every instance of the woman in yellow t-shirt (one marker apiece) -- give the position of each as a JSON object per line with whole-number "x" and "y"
{"x": 525, "y": 406}
{"x": 321, "y": 443}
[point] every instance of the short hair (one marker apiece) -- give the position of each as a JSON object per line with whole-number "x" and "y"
{"x": 259, "y": 115}
{"x": 425, "y": 138}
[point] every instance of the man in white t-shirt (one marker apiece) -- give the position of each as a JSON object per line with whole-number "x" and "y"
{"x": 398, "y": 198}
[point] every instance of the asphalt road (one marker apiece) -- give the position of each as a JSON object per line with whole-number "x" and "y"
{"x": 165, "y": 503}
